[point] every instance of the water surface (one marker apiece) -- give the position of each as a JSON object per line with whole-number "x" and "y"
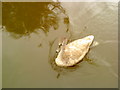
{"x": 29, "y": 45}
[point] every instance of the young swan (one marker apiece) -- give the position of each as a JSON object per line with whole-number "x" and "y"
{"x": 72, "y": 53}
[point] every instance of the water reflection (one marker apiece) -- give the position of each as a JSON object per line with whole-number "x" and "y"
{"x": 23, "y": 18}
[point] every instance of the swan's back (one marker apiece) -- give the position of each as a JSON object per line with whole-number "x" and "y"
{"x": 74, "y": 51}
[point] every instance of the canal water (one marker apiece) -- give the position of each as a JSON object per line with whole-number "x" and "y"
{"x": 30, "y": 36}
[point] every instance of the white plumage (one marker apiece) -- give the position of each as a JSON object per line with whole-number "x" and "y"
{"x": 72, "y": 53}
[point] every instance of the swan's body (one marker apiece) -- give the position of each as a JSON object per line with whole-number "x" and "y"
{"x": 72, "y": 53}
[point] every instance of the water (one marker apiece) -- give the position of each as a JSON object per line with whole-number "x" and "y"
{"x": 28, "y": 55}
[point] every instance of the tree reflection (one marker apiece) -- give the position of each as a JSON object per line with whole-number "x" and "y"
{"x": 23, "y": 18}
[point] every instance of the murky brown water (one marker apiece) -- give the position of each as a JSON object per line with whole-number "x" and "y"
{"x": 31, "y": 37}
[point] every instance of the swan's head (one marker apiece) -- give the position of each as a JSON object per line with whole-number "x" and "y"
{"x": 62, "y": 43}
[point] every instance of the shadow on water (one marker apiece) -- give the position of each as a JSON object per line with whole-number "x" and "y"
{"x": 24, "y": 18}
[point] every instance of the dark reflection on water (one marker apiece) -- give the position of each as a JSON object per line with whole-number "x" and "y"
{"x": 23, "y": 18}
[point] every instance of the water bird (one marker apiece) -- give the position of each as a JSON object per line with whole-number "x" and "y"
{"x": 69, "y": 54}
